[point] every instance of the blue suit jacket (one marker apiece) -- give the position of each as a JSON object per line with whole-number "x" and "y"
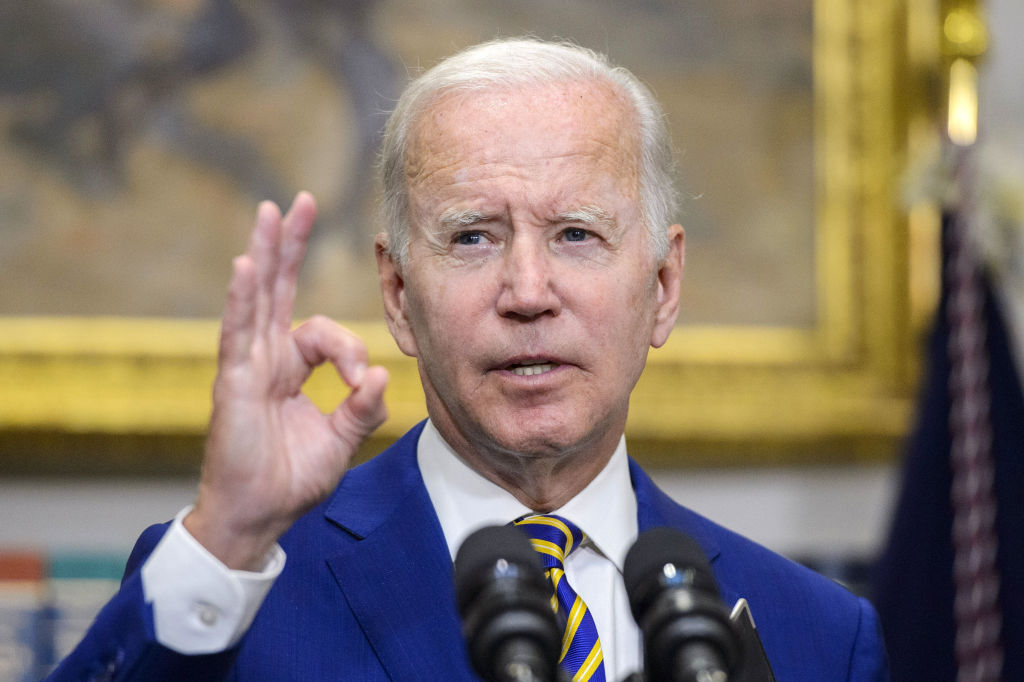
{"x": 367, "y": 594}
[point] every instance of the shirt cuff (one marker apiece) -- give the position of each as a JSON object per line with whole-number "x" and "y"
{"x": 200, "y": 606}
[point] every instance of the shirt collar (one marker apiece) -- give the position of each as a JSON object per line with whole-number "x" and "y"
{"x": 466, "y": 501}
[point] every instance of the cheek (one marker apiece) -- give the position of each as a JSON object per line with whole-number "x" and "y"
{"x": 624, "y": 317}
{"x": 443, "y": 311}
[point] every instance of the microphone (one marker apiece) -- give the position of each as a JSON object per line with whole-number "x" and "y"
{"x": 505, "y": 603}
{"x": 686, "y": 629}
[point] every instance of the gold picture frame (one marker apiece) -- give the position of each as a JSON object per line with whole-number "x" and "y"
{"x": 131, "y": 395}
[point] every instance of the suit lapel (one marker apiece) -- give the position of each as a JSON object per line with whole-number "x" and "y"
{"x": 397, "y": 578}
{"x": 656, "y": 509}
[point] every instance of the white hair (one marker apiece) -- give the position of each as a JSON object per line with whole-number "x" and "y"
{"x": 510, "y": 63}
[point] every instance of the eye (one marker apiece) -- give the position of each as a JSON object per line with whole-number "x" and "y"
{"x": 468, "y": 238}
{"x": 575, "y": 234}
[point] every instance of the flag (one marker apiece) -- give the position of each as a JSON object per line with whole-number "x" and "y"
{"x": 914, "y": 582}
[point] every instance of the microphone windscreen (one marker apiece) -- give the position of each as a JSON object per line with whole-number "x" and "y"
{"x": 492, "y": 550}
{"x": 661, "y": 557}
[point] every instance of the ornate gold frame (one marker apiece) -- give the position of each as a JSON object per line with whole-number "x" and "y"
{"x": 839, "y": 390}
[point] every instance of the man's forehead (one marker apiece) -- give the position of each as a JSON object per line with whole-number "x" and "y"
{"x": 476, "y": 122}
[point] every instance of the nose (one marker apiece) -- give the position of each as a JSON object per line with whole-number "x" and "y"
{"x": 527, "y": 286}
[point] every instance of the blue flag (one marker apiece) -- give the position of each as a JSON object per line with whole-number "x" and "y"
{"x": 913, "y": 583}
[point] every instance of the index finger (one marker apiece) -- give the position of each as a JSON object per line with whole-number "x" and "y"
{"x": 295, "y": 230}
{"x": 320, "y": 339}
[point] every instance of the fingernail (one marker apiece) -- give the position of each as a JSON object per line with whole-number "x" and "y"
{"x": 358, "y": 372}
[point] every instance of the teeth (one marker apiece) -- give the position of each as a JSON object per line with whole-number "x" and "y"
{"x": 530, "y": 370}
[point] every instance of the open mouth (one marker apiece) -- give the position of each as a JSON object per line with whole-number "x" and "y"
{"x": 530, "y": 369}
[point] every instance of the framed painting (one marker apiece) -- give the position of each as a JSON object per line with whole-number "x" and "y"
{"x": 136, "y": 146}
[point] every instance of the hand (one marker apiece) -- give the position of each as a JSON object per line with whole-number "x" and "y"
{"x": 270, "y": 453}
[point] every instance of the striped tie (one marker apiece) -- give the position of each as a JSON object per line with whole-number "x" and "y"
{"x": 555, "y": 538}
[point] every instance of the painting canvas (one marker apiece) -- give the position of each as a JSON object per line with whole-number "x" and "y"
{"x": 138, "y": 137}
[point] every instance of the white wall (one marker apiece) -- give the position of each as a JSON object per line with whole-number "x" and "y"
{"x": 71, "y": 514}
{"x": 796, "y": 511}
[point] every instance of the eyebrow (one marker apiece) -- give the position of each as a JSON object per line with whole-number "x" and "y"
{"x": 588, "y": 215}
{"x": 454, "y": 219}
{"x": 459, "y": 218}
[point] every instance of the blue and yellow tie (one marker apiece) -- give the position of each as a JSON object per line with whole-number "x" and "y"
{"x": 555, "y": 538}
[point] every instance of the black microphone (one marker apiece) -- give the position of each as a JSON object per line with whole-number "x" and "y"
{"x": 505, "y": 603}
{"x": 686, "y": 629}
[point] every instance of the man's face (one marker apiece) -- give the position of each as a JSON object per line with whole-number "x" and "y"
{"x": 530, "y": 295}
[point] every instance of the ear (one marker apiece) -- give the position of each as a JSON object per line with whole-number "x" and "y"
{"x": 670, "y": 275}
{"x": 392, "y": 289}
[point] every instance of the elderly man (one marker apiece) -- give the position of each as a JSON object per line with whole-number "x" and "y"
{"x": 529, "y": 264}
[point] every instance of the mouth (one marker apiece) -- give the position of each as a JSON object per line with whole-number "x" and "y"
{"x": 529, "y": 369}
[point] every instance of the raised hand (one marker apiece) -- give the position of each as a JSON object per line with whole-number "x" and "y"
{"x": 270, "y": 453}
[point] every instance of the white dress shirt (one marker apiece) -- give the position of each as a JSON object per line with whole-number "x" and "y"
{"x": 201, "y": 606}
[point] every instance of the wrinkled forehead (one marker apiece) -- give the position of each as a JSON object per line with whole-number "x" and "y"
{"x": 543, "y": 120}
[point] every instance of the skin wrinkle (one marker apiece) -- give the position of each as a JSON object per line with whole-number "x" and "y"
{"x": 611, "y": 106}
{"x": 520, "y": 166}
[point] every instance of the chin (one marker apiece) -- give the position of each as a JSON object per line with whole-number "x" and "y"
{"x": 537, "y": 440}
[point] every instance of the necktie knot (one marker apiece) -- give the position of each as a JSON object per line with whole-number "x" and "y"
{"x": 553, "y": 537}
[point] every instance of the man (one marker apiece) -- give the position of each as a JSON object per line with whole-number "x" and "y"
{"x": 529, "y": 264}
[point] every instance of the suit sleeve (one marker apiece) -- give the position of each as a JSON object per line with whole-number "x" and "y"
{"x": 121, "y": 644}
{"x": 868, "y": 659}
